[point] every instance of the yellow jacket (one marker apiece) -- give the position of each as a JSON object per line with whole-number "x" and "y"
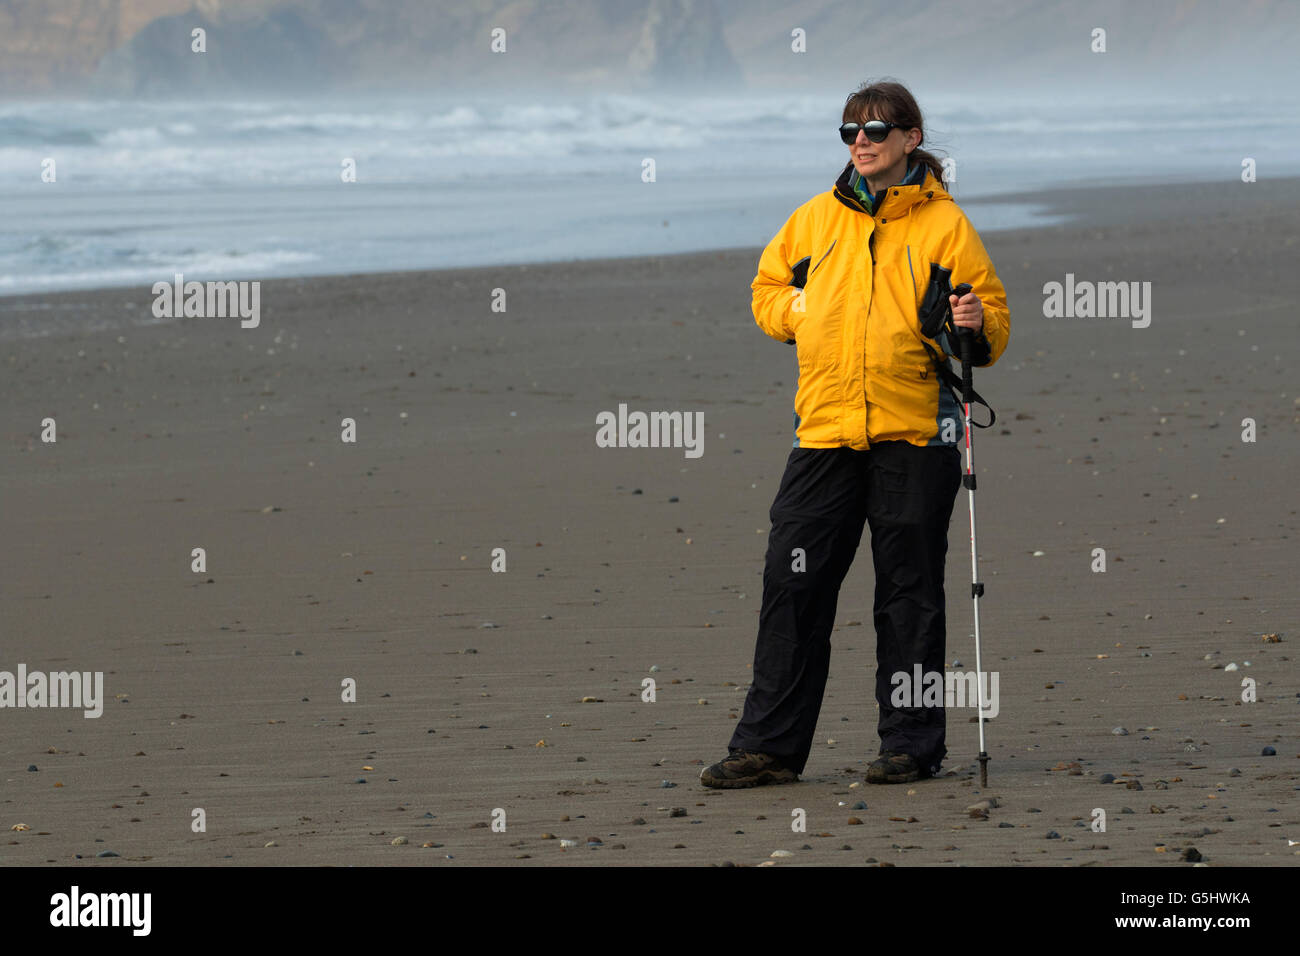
{"x": 864, "y": 373}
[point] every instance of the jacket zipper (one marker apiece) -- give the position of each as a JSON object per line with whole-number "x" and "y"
{"x": 823, "y": 258}
{"x": 866, "y": 407}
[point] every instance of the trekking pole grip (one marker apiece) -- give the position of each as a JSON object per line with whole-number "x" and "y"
{"x": 964, "y": 338}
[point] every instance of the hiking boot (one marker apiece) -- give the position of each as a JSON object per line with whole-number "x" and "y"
{"x": 893, "y": 767}
{"x": 744, "y": 768}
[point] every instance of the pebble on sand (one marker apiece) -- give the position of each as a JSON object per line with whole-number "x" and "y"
{"x": 1120, "y": 732}
{"x": 781, "y": 854}
{"x": 399, "y": 841}
{"x": 1107, "y": 778}
{"x": 1268, "y": 752}
{"x": 105, "y": 854}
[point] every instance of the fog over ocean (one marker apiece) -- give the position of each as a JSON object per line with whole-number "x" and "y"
{"x": 253, "y": 189}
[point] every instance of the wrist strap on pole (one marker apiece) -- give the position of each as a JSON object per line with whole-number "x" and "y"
{"x": 956, "y": 387}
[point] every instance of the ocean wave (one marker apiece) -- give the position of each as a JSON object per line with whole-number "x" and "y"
{"x": 200, "y": 266}
{"x": 25, "y": 132}
{"x": 141, "y": 145}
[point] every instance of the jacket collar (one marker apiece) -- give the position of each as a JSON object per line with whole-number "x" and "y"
{"x": 919, "y": 185}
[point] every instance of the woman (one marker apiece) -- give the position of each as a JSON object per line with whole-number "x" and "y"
{"x": 876, "y": 438}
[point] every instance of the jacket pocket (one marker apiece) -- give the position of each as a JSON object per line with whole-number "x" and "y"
{"x": 803, "y": 270}
{"x": 819, "y": 309}
{"x": 822, "y": 259}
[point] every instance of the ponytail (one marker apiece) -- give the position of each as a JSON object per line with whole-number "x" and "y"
{"x": 930, "y": 161}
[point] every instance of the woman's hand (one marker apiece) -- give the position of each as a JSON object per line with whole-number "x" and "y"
{"x": 967, "y": 312}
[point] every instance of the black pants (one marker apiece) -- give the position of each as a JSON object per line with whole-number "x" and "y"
{"x": 905, "y": 493}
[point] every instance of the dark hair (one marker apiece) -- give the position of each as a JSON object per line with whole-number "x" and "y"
{"x": 891, "y": 101}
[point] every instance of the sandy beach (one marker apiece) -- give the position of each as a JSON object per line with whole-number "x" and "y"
{"x": 475, "y": 431}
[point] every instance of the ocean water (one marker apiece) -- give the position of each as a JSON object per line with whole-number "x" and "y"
{"x": 246, "y": 190}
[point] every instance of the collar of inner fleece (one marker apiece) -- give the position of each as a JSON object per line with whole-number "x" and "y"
{"x": 915, "y": 175}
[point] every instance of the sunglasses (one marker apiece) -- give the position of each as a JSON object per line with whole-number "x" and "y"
{"x": 876, "y": 131}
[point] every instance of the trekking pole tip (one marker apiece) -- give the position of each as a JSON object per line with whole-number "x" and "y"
{"x": 984, "y": 769}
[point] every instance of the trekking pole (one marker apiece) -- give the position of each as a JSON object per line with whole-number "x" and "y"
{"x": 964, "y": 337}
